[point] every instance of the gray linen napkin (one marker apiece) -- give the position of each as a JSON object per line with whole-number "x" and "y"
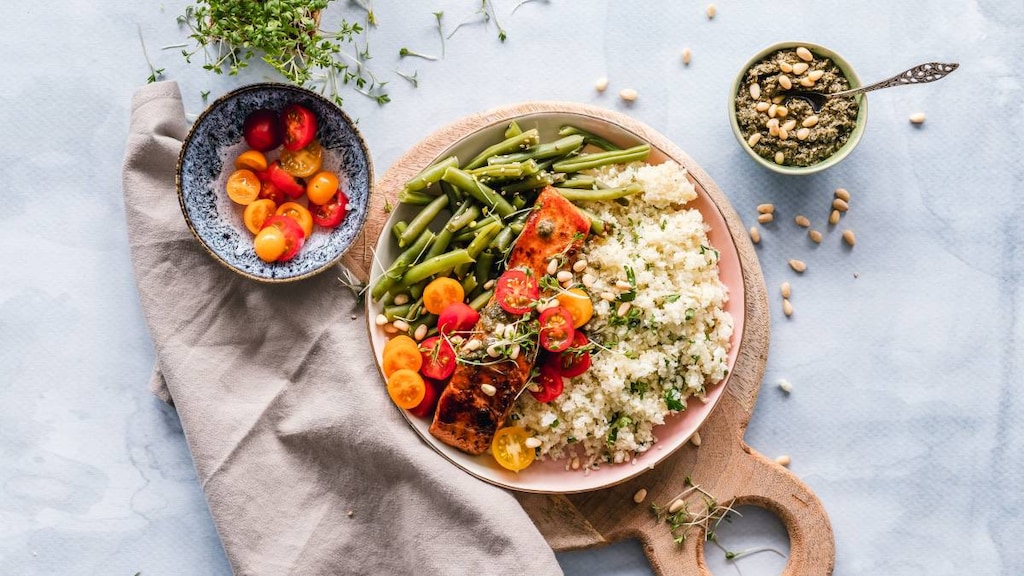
{"x": 306, "y": 465}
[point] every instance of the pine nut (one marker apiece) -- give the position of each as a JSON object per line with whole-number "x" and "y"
{"x": 765, "y": 218}
{"x": 755, "y": 235}
{"x": 640, "y": 495}
{"x": 509, "y": 332}
{"x": 401, "y": 325}
{"x": 773, "y": 123}
{"x": 783, "y": 460}
{"x": 623, "y": 309}
{"x": 695, "y": 439}
{"x": 579, "y": 266}
{"x": 762, "y": 106}
{"x": 815, "y": 236}
{"x": 786, "y": 67}
{"x": 608, "y": 296}
{"x": 804, "y": 54}
{"x": 917, "y": 118}
{"x": 420, "y": 333}
{"x": 782, "y": 112}
{"x": 532, "y": 442}
{"x": 815, "y": 75}
{"x": 628, "y": 94}
{"x": 676, "y": 506}
{"x": 840, "y": 204}
{"x": 833, "y": 218}
{"x": 803, "y": 133}
{"x": 773, "y": 130}
{"x": 806, "y": 82}
{"x": 778, "y": 99}
{"x": 588, "y": 280}
{"x": 773, "y": 110}
{"x": 849, "y": 237}
{"x": 767, "y": 208}
{"x": 780, "y": 157}
{"x": 785, "y": 82}
{"x": 488, "y": 389}
{"x": 687, "y": 56}
{"x": 802, "y": 221}
{"x": 401, "y": 299}
{"x": 800, "y": 67}
{"x": 785, "y": 289}
{"x": 514, "y": 353}
{"x": 754, "y": 139}
{"x": 564, "y": 276}
{"x": 785, "y": 385}
{"x": 390, "y": 329}
{"x": 755, "y": 91}
{"x": 810, "y": 122}
{"x": 602, "y": 84}
{"x": 711, "y": 11}
{"x": 472, "y": 345}
{"x": 783, "y": 134}
{"x": 575, "y": 463}
{"x": 456, "y": 340}
{"x": 787, "y": 307}
{"x": 493, "y": 351}
{"x": 797, "y": 265}
{"x": 552, "y": 267}
{"x": 380, "y": 320}
{"x": 789, "y": 125}
{"x": 842, "y": 194}
{"x": 489, "y": 284}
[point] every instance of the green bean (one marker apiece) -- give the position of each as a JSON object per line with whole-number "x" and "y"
{"x": 503, "y": 240}
{"x": 453, "y": 194}
{"x": 559, "y": 147}
{"x": 509, "y": 171}
{"x": 414, "y": 198}
{"x": 597, "y": 225}
{"x": 439, "y": 245}
{"x": 401, "y": 265}
{"x": 588, "y": 161}
{"x": 506, "y": 146}
{"x": 397, "y": 311}
{"x": 484, "y": 264}
{"x": 589, "y": 137}
{"x": 481, "y": 300}
{"x": 580, "y": 181}
{"x": 436, "y": 265}
{"x": 428, "y": 320}
{"x": 483, "y": 239}
{"x": 513, "y": 129}
{"x": 418, "y": 224}
{"x": 398, "y": 228}
{"x": 576, "y": 195}
{"x": 471, "y": 232}
{"x": 478, "y": 190}
{"x": 469, "y": 283}
{"x": 539, "y": 180}
{"x": 430, "y": 175}
{"x": 416, "y": 291}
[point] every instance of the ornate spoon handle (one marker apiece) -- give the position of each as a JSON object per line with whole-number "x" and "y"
{"x": 920, "y": 74}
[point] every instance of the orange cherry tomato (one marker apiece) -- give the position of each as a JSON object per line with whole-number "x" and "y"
{"x": 579, "y": 305}
{"x": 322, "y": 187}
{"x": 270, "y": 244}
{"x": 257, "y": 213}
{"x": 406, "y": 388}
{"x": 303, "y": 162}
{"x": 442, "y": 292}
{"x": 402, "y": 356}
{"x": 299, "y": 213}
{"x": 510, "y": 449}
{"x": 251, "y": 160}
{"x": 243, "y": 186}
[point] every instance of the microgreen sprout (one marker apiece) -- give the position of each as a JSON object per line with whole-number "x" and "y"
{"x": 154, "y": 72}
{"x": 412, "y": 78}
{"x": 403, "y": 52}
{"x": 440, "y": 30}
{"x": 520, "y": 5}
{"x": 706, "y": 516}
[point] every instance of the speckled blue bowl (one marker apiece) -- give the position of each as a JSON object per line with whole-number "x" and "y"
{"x": 207, "y": 159}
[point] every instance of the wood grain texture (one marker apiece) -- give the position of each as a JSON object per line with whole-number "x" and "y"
{"x": 723, "y": 465}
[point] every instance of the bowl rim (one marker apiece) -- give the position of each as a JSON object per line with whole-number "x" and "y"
{"x": 288, "y": 88}
{"x": 851, "y": 76}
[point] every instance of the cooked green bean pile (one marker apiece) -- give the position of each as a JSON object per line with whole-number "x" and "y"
{"x": 483, "y": 204}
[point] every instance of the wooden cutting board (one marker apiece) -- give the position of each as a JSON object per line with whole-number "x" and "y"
{"x": 723, "y": 465}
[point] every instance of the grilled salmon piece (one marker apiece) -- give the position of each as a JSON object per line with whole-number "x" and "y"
{"x": 466, "y": 417}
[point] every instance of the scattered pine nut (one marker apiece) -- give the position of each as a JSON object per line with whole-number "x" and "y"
{"x": 695, "y": 439}
{"x": 575, "y": 463}
{"x": 804, "y": 54}
{"x": 602, "y": 84}
{"x": 608, "y": 296}
{"x": 623, "y": 285}
{"x": 842, "y": 194}
{"x": 789, "y": 125}
{"x": 815, "y": 236}
{"x": 628, "y": 94}
{"x": 767, "y": 208}
{"x": 785, "y": 385}
{"x": 803, "y": 133}
{"x": 564, "y": 276}
{"x": 640, "y": 495}
{"x": 798, "y": 265}
{"x": 849, "y": 238}
{"x": 800, "y": 68}
{"x": 787, "y": 307}
{"x": 782, "y": 111}
{"x": 552, "y": 267}
{"x": 676, "y": 506}
{"x": 755, "y": 91}
{"x": 778, "y": 99}
{"x": 755, "y": 235}
{"x": 623, "y": 309}
{"x": 917, "y": 118}
{"x": 783, "y": 134}
{"x": 780, "y": 158}
{"x": 810, "y": 122}
{"x": 762, "y": 106}
{"x": 785, "y": 82}
{"x": 765, "y": 218}
{"x": 833, "y": 218}
{"x": 421, "y": 332}
{"x": 390, "y": 329}
{"x": 754, "y": 139}
{"x": 380, "y": 320}
{"x": 815, "y": 75}
{"x": 588, "y": 280}
{"x": 711, "y": 11}
{"x": 773, "y": 109}
{"x": 840, "y": 204}
{"x": 579, "y": 266}
{"x": 401, "y": 325}
{"x": 785, "y": 289}
{"x": 687, "y": 56}
{"x": 488, "y": 389}
{"x": 786, "y": 67}
{"x": 489, "y": 284}
{"x": 401, "y": 299}
{"x": 802, "y": 221}
{"x": 806, "y": 82}
{"x": 532, "y": 442}
{"x": 783, "y": 460}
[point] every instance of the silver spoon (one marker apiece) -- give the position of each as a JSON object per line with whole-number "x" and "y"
{"x": 921, "y": 74}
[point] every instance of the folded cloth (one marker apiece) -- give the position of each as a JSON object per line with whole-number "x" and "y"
{"x": 307, "y": 466}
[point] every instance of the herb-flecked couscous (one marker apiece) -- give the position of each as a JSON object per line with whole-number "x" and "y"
{"x": 663, "y": 339}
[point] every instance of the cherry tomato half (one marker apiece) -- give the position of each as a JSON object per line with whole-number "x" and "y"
{"x": 550, "y": 382}
{"x": 406, "y": 388}
{"x": 516, "y": 291}
{"x": 510, "y": 449}
{"x": 270, "y": 244}
{"x": 431, "y": 393}
{"x": 293, "y": 187}
{"x": 575, "y": 359}
{"x": 303, "y": 162}
{"x": 322, "y": 187}
{"x": 438, "y": 358}
{"x": 243, "y": 187}
{"x": 332, "y": 212}
{"x": 267, "y": 188}
{"x": 251, "y": 160}
{"x": 262, "y": 130}
{"x": 299, "y": 126}
{"x": 294, "y": 238}
{"x": 257, "y": 213}
{"x": 300, "y": 214}
{"x": 457, "y": 317}
{"x": 556, "y": 331}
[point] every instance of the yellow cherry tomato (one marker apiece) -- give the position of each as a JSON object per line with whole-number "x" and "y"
{"x": 441, "y": 293}
{"x": 303, "y": 162}
{"x": 406, "y": 388}
{"x": 510, "y": 450}
{"x": 257, "y": 213}
{"x": 270, "y": 243}
{"x": 243, "y": 186}
{"x": 322, "y": 187}
{"x": 299, "y": 213}
{"x": 251, "y": 160}
{"x": 579, "y": 305}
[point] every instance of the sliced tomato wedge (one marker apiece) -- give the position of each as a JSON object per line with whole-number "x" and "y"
{"x": 431, "y": 393}
{"x": 267, "y": 189}
{"x": 299, "y": 126}
{"x": 575, "y": 359}
{"x": 516, "y": 291}
{"x": 457, "y": 317}
{"x": 293, "y": 235}
{"x": 285, "y": 181}
{"x": 556, "y": 329}
{"x": 438, "y": 358}
{"x": 330, "y": 214}
{"x": 550, "y": 382}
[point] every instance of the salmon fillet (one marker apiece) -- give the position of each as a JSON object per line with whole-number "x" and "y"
{"x": 467, "y": 418}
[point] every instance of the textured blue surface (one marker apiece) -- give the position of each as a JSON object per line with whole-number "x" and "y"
{"x": 906, "y": 353}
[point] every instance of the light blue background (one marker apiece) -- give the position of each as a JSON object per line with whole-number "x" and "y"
{"x": 905, "y": 353}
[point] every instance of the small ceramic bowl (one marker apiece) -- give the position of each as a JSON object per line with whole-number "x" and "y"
{"x": 207, "y": 159}
{"x": 838, "y": 155}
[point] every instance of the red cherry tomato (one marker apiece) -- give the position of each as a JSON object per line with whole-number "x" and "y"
{"x": 284, "y": 181}
{"x": 299, "y": 126}
{"x": 516, "y": 291}
{"x": 438, "y": 358}
{"x": 556, "y": 331}
{"x": 432, "y": 391}
{"x": 330, "y": 214}
{"x": 293, "y": 235}
{"x": 457, "y": 317}
{"x": 574, "y": 360}
{"x": 550, "y": 382}
{"x": 267, "y": 189}
{"x": 262, "y": 130}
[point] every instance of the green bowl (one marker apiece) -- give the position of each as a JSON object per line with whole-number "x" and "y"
{"x": 839, "y": 155}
